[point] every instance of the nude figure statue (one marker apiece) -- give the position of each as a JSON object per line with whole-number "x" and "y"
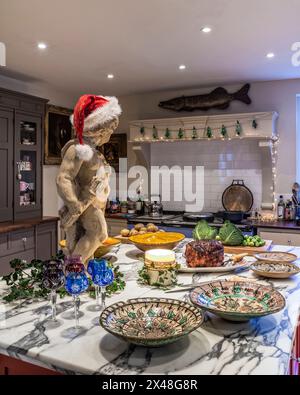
{"x": 83, "y": 178}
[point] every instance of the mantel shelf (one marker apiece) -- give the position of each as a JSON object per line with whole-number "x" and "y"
{"x": 163, "y": 140}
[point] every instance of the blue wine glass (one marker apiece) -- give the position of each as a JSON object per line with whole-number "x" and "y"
{"x": 102, "y": 276}
{"x": 76, "y": 283}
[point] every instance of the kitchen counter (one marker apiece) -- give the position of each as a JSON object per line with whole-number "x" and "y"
{"x": 261, "y": 346}
{"x": 288, "y": 225}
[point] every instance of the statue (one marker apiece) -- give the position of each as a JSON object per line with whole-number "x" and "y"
{"x": 83, "y": 177}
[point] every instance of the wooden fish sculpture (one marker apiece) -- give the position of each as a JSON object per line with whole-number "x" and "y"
{"x": 218, "y": 98}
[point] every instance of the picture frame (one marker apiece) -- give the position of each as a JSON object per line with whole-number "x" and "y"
{"x": 58, "y": 131}
{"x": 115, "y": 149}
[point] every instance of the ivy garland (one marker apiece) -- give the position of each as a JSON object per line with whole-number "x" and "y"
{"x": 26, "y": 281}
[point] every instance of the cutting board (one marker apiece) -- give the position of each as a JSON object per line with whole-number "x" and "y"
{"x": 248, "y": 250}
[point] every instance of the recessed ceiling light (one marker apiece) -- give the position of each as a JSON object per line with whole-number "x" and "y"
{"x": 42, "y": 46}
{"x": 182, "y": 67}
{"x": 206, "y": 29}
{"x": 110, "y": 76}
{"x": 270, "y": 55}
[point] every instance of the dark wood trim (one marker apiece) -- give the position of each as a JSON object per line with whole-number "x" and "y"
{"x": 21, "y": 94}
{"x": 6, "y": 227}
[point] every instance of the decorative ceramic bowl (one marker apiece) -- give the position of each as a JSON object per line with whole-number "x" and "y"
{"x": 238, "y": 300}
{"x": 276, "y": 256}
{"x": 275, "y": 270}
{"x": 151, "y": 241}
{"x": 151, "y": 322}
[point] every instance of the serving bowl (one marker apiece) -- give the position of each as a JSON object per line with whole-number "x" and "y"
{"x": 103, "y": 249}
{"x": 276, "y": 256}
{"x": 151, "y": 241}
{"x": 106, "y": 247}
{"x": 238, "y": 300}
{"x": 275, "y": 270}
{"x": 151, "y": 322}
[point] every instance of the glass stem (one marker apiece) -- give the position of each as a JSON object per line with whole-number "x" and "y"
{"x": 102, "y": 298}
{"x": 76, "y": 309}
{"x": 97, "y": 289}
{"x": 53, "y": 297}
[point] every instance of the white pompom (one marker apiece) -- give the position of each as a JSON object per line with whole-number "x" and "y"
{"x": 84, "y": 152}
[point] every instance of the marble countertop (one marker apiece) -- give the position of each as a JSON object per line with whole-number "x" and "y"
{"x": 261, "y": 346}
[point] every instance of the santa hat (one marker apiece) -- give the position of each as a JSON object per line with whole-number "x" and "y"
{"x": 92, "y": 112}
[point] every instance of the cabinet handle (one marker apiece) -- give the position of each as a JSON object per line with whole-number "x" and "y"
{"x": 24, "y": 239}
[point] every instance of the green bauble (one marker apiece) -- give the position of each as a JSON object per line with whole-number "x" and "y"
{"x": 238, "y": 128}
{"x": 194, "y": 133}
{"x": 154, "y": 133}
{"x": 224, "y": 131}
{"x": 180, "y": 133}
{"x": 254, "y": 124}
{"x": 167, "y": 134}
{"x": 209, "y": 132}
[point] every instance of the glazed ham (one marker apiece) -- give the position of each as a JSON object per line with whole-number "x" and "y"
{"x": 204, "y": 253}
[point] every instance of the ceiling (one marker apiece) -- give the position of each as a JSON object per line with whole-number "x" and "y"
{"x": 143, "y": 42}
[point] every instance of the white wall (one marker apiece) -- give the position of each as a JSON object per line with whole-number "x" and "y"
{"x": 277, "y": 96}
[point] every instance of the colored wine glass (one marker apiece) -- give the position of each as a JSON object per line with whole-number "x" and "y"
{"x": 53, "y": 279}
{"x": 76, "y": 282}
{"x": 102, "y": 276}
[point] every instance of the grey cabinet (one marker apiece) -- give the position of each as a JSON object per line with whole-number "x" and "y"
{"x": 21, "y": 153}
{"x": 37, "y": 241}
{"x": 6, "y": 164}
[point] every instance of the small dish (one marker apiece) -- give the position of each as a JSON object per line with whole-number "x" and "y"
{"x": 238, "y": 300}
{"x": 151, "y": 322}
{"x": 275, "y": 269}
{"x": 276, "y": 256}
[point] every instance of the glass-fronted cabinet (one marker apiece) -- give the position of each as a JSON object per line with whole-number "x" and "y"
{"x": 28, "y": 166}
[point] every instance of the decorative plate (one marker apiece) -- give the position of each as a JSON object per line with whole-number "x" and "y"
{"x": 238, "y": 300}
{"x": 276, "y": 256}
{"x": 151, "y": 322}
{"x": 275, "y": 270}
{"x": 229, "y": 266}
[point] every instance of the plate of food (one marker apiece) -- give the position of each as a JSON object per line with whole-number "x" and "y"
{"x": 207, "y": 256}
{"x": 238, "y": 300}
{"x": 276, "y": 256}
{"x": 275, "y": 269}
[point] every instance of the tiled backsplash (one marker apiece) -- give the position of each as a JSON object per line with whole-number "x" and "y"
{"x": 223, "y": 162}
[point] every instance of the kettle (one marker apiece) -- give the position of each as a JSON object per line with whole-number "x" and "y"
{"x": 155, "y": 208}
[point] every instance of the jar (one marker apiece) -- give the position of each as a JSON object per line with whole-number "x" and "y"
{"x": 123, "y": 207}
{"x": 131, "y": 207}
{"x": 160, "y": 265}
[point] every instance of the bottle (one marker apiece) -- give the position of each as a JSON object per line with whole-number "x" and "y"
{"x": 139, "y": 204}
{"x": 289, "y": 211}
{"x": 280, "y": 208}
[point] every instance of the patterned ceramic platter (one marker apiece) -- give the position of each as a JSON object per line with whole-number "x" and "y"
{"x": 276, "y": 256}
{"x": 238, "y": 300}
{"x": 275, "y": 270}
{"x": 229, "y": 266}
{"x": 151, "y": 322}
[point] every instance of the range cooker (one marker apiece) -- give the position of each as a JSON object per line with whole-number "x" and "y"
{"x": 179, "y": 222}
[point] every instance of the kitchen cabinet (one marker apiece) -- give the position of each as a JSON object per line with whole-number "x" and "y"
{"x": 21, "y": 155}
{"x": 11, "y": 366}
{"x": 31, "y": 239}
{"x": 115, "y": 225}
{"x": 280, "y": 236}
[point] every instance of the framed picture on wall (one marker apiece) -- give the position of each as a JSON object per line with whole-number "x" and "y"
{"x": 115, "y": 149}
{"x": 58, "y": 131}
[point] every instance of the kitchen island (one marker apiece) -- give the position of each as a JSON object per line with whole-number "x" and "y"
{"x": 261, "y": 346}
